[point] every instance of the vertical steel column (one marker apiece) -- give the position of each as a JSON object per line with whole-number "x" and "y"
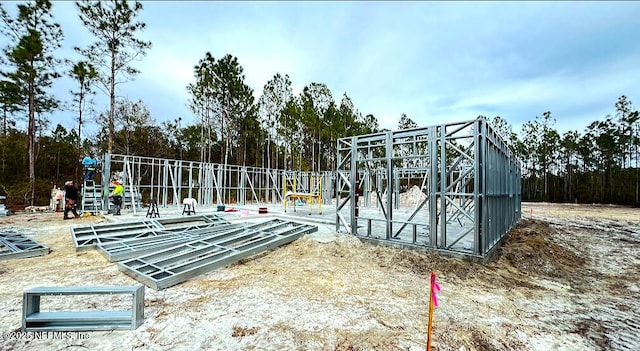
{"x": 498, "y": 169}
{"x": 165, "y": 182}
{"x": 488, "y": 202}
{"x": 161, "y": 202}
{"x": 277, "y": 180}
{"x": 190, "y": 184}
{"x": 240, "y": 192}
{"x": 396, "y": 189}
{"x": 389, "y": 174}
{"x": 443, "y": 185}
{"x": 140, "y": 186}
{"x": 267, "y": 187}
{"x": 483, "y": 185}
{"x": 204, "y": 184}
{"x": 477, "y": 192}
{"x": 106, "y": 175}
{"x": 234, "y": 173}
{"x": 367, "y": 187}
{"x": 378, "y": 186}
{"x": 152, "y": 175}
{"x": 353, "y": 178}
{"x": 201, "y": 195}
{"x": 519, "y": 190}
{"x": 433, "y": 187}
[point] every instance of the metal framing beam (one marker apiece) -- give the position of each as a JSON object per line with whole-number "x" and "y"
{"x": 87, "y": 236}
{"x": 14, "y": 245}
{"x": 126, "y": 249}
{"x": 35, "y": 320}
{"x": 171, "y": 266}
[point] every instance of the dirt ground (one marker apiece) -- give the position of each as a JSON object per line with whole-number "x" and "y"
{"x": 566, "y": 279}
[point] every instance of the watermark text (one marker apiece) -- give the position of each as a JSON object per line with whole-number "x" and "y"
{"x": 43, "y": 335}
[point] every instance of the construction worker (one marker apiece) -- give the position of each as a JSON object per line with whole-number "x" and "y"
{"x": 71, "y": 199}
{"x": 116, "y": 195}
{"x": 90, "y": 163}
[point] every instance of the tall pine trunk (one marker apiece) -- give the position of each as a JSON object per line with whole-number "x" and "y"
{"x": 80, "y": 99}
{"x": 31, "y": 142}
{"x": 112, "y": 98}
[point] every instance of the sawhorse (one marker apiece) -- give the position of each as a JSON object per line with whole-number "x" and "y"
{"x": 189, "y": 206}
{"x": 153, "y": 209}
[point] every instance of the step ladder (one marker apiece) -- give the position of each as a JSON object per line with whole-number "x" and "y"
{"x": 91, "y": 199}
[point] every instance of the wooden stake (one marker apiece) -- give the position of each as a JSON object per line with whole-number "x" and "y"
{"x": 432, "y": 304}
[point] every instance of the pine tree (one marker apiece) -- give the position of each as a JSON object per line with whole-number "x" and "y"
{"x": 84, "y": 74}
{"x": 114, "y": 25}
{"x": 33, "y": 36}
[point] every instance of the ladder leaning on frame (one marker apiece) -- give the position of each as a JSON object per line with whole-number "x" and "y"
{"x": 91, "y": 199}
{"x": 290, "y": 192}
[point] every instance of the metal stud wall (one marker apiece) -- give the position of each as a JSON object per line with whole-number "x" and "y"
{"x": 166, "y": 267}
{"x": 170, "y": 181}
{"x": 14, "y": 245}
{"x": 164, "y": 252}
{"x": 453, "y": 188}
{"x": 87, "y": 236}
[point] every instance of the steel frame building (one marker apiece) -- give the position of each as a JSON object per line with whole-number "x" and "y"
{"x": 468, "y": 184}
{"x": 467, "y": 180}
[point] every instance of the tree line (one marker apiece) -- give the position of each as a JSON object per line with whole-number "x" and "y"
{"x": 598, "y": 165}
{"x": 278, "y": 130}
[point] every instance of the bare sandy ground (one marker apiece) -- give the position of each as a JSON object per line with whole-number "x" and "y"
{"x": 567, "y": 279}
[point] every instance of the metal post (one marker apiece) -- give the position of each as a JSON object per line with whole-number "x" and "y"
{"x": 443, "y": 186}
{"x": 106, "y": 174}
{"x": 389, "y": 175}
{"x": 433, "y": 187}
{"x": 477, "y": 192}
{"x": 353, "y": 187}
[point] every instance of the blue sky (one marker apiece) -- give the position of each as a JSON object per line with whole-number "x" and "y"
{"x": 437, "y": 62}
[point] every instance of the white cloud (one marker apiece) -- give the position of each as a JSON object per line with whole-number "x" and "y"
{"x": 436, "y": 62}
